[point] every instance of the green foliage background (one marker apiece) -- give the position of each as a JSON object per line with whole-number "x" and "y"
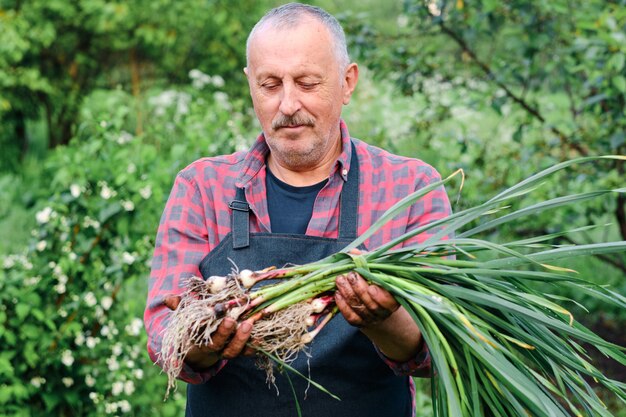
{"x": 102, "y": 102}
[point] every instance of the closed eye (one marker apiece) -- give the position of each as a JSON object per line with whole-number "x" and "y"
{"x": 270, "y": 86}
{"x": 308, "y": 86}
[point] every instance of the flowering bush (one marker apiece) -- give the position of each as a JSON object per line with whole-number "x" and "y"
{"x": 71, "y": 303}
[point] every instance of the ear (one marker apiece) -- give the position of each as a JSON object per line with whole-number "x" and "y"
{"x": 350, "y": 79}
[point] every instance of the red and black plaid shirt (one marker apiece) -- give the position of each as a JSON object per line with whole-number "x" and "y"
{"x": 197, "y": 217}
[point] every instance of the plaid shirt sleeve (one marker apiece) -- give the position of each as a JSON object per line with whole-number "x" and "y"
{"x": 182, "y": 242}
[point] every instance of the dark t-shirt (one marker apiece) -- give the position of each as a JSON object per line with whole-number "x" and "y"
{"x": 290, "y": 208}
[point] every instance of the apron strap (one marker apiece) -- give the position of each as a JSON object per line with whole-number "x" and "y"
{"x": 348, "y": 214}
{"x": 349, "y": 209}
{"x": 240, "y": 220}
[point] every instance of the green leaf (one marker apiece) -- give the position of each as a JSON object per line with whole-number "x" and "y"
{"x": 619, "y": 82}
{"x": 22, "y": 310}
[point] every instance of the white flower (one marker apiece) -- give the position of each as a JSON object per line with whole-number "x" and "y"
{"x": 92, "y": 342}
{"x": 145, "y": 192}
{"x": 62, "y": 313}
{"x": 9, "y": 262}
{"x": 198, "y": 78}
{"x": 124, "y": 137}
{"x": 107, "y": 192}
{"x": 41, "y": 245}
{"x": 72, "y": 256}
{"x": 116, "y": 350}
{"x": 128, "y": 258}
{"x": 79, "y": 339}
{"x": 90, "y": 299}
{"x": 110, "y": 408}
{"x": 217, "y": 81}
{"x": 112, "y": 364}
{"x": 132, "y": 168}
{"x": 129, "y": 387}
{"x": 103, "y": 123}
{"x": 106, "y": 302}
{"x": 67, "y": 381}
{"x": 138, "y": 373}
{"x": 221, "y": 98}
{"x": 134, "y": 327}
{"x": 94, "y": 397}
{"x": 105, "y": 331}
{"x": 38, "y": 381}
{"x": 195, "y": 73}
{"x": 124, "y": 406}
{"x": 67, "y": 358}
{"x": 75, "y": 190}
{"x": 117, "y": 388}
{"x": 128, "y": 205}
{"x": 89, "y": 222}
{"x": 32, "y": 281}
{"x": 44, "y": 215}
{"x": 90, "y": 381}
{"x": 60, "y": 288}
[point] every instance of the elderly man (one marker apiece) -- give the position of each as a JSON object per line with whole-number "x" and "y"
{"x": 303, "y": 191}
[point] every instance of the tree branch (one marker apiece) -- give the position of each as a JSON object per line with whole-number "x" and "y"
{"x": 565, "y": 141}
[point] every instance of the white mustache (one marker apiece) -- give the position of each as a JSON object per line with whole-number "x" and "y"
{"x": 295, "y": 120}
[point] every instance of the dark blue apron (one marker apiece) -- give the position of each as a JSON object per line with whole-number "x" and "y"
{"x": 342, "y": 359}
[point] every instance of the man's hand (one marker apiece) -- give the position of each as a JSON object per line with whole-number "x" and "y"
{"x": 228, "y": 341}
{"x": 361, "y": 304}
{"x": 379, "y": 316}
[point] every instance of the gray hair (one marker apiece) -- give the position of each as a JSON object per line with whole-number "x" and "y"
{"x": 291, "y": 15}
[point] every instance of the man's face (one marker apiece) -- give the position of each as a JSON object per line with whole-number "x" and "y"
{"x": 298, "y": 90}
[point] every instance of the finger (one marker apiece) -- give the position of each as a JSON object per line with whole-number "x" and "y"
{"x": 239, "y": 340}
{"x": 361, "y": 302}
{"x": 221, "y": 335}
{"x": 348, "y": 313}
{"x": 172, "y": 301}
{"x": 346, "y": 290}
{"x": 355, "y": 251}
{"x": 383, "y": 298}
{"x": 360, "y": 288}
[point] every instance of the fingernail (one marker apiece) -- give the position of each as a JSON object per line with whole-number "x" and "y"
{"x": 246, "y": 326}
{"x": 372, "y": 290}
{"x": 229, "y": 324}
{"x": 341, "y": 280}
{"x": 352, "y": 277}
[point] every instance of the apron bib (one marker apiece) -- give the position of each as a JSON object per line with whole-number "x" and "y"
{"x": 342, "y": 359}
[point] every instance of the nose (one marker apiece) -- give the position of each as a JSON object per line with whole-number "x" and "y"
{"x": 290, "y": 100}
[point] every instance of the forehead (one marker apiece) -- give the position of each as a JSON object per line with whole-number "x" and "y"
{"x": 305, "y": 46}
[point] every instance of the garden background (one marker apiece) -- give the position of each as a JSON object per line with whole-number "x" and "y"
{"x": 102, "y": 102}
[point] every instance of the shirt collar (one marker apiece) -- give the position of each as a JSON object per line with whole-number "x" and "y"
{"x": 255, "y": 158}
